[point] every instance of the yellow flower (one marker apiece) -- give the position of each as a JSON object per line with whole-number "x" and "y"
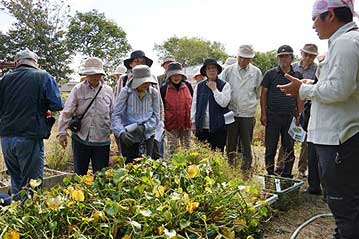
{"x": 87, "y": 219}
{"x": 239, "y": 224}
{"x": 98, "y": 216}
{"x": 159, "y": 191}
{"x": 54, "y": 202}
{"x": 34, "y": 183}
{"x": 126, "y": 237}
{"x": 191, "y": 207}
{"x": 78, "y": 195}
{"x": 228, "y": 233}
{"x": 88, "y": 179}
{"x": 70, "y": 203}
{"x": 194, "y": 154}
{"x": 193, "y": 171}
{"x": 109, "y": 173}
{"x": 13, "y": 234}
{"x": 160, "y": 230}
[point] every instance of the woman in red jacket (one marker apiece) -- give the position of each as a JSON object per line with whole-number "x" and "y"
{"x": 176, "y": 95}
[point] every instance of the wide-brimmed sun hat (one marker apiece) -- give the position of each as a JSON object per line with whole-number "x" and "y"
{"x": 137, "y": 54}
{"x": 168, "y": 59}
{"x": 141, "y": 75}
{"x": 175, "y": 68}
{"x": 246, "y": 51}
{"x": 92, "y": 66}
{"x": 27, "y": 57}
{"x": 310, "y": 49}
{"x": 120, "y": 70}
{"x": 210, "y": 61}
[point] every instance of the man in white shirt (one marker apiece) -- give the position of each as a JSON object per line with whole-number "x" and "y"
{"x": 245, "y": 80}
{"x": 334, "y": 121}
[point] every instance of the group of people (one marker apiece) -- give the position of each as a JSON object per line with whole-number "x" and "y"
{"x": 218, "y": 106}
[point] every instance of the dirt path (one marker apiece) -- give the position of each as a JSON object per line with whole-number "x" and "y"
{"x": 284, "y": 223}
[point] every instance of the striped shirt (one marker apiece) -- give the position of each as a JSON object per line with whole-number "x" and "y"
{"x": 131, "y": 109}
{"x": 277, "y": 101}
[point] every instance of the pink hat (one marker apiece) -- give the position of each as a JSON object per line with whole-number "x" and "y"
{"x": 321, "y": 6}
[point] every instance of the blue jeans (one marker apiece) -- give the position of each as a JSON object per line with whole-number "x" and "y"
{"x": 24, "y": 159}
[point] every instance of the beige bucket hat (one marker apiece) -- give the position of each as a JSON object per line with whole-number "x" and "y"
{"x": 141, "y": 75}
{"x": 92, "y": 66}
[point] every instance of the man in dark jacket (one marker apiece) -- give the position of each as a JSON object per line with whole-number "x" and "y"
{"x": 26, "y": 95}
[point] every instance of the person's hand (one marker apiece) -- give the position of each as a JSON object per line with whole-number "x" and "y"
{"x": 292, "y": 88}
{"x": 212, "y": 85}
{"x": 63, "y": 140}
{"x": 141, "y": 129}
{"x": 264, "y": 119}
{"x": 126, "y": 139}
{"x": 193, "y": 126}
{"x": 308, "y": 81}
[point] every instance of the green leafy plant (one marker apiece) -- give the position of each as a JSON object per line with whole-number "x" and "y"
{"x": 187, "y": 196}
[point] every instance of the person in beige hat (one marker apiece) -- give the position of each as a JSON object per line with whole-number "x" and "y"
{"x": 136, "y": 114}
{"x": 308, "y": 68}
{"x": 229, "y": 61}
{"x": 27, "y": 95}
{"x": 92, "y": 101}
{"x": 166, "y": 61}
{"x": 245, "y": 80}
{"x": 176, "y": 96}
{"x": 119, "y": 71}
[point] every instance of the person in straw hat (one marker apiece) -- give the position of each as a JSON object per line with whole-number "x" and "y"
{"x": 27, "y": 94}
{"x": 334, "y": 125}
{"x": 92, "y": 141}
{"x": 176, "y": 95}
{"x": 245, "y": 80}
{"x": 136, "y": 114}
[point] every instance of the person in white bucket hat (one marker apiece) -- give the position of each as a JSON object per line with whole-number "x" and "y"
{"x": 334, "y": 126}
{"x": 27, "y": 95}
{"x": 92, "y": 141}
{"x": 245, "y": 79}
{"x": 137, "y": 114}
{"x": 119, "y": 71}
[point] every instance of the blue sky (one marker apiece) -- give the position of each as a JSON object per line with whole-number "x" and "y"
{"x": 264, "y": 24}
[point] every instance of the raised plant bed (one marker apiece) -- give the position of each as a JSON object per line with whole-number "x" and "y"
{"x": 51, "y": 178}
{"x": 287, "y": 189}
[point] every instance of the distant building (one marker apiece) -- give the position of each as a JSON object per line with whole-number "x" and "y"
{"x": 69, "y": 85}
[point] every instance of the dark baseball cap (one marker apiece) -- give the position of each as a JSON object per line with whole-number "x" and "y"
{"x": 285, "y": 50}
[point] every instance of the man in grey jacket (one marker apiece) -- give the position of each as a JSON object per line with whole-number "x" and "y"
{"x": 245, "y": 80}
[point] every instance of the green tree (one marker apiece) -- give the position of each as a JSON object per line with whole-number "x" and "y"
{"x": 190, "y": 51}
{"x": 92, "y": 34}
{"x": 40, "y": 26}
{"x": 265, "y": 60}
